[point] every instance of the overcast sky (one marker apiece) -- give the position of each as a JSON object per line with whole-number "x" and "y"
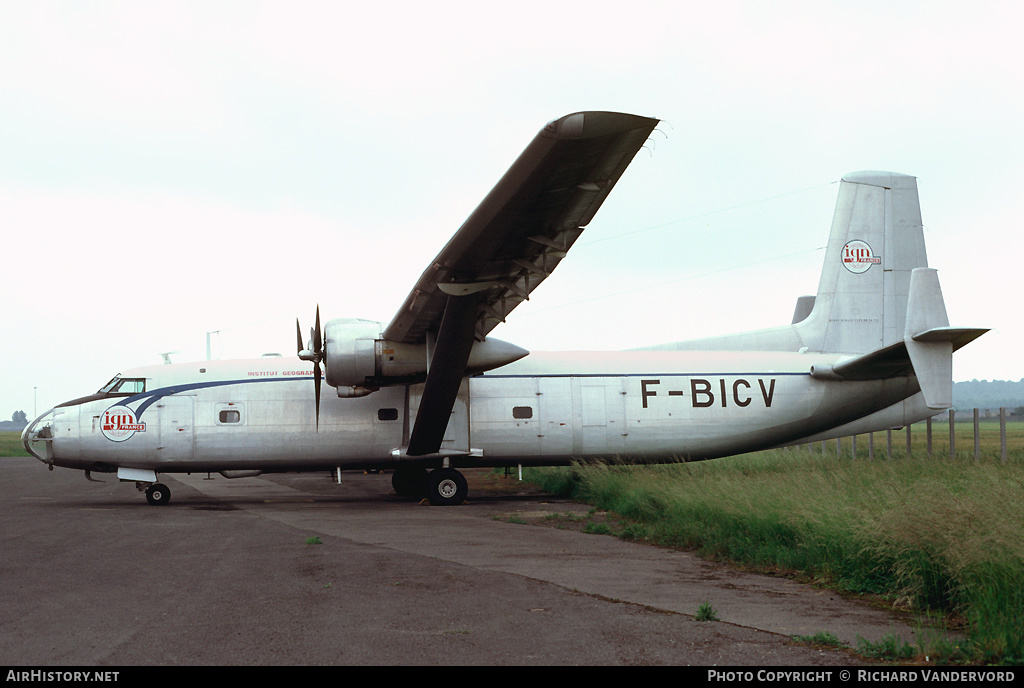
{"x": 172, "y": 169}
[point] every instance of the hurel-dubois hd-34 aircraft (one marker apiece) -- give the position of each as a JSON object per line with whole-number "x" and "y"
{"x": 433, "y": 392}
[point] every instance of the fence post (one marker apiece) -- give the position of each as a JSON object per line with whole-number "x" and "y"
{"x": 929, "y": 437}
{"x": 871, "y": 446}
{"x": 908, "y": 440}
{"x": 1002, "y": 434}
{"x": 977, "y": 438}
{"x": 952, "y": 433}
{"x": 888, "y": 443}
{"x": 853, "y": 448}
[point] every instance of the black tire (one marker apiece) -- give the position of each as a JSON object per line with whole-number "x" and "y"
{"x": 447, "y": 487}
{"x": 409, "y": 482}
{"x": 157, "y": 494}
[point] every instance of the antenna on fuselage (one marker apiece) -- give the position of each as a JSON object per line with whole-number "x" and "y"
{"x": 208, "y": 356}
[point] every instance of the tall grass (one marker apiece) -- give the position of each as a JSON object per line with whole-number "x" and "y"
{"x": 929, "y": 533}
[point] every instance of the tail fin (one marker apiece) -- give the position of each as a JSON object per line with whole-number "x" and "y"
{"x": 875, "y": 244}
{"x": 877, "y": 298}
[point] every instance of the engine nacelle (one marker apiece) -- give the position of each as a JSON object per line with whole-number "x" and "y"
{"x": 359, "y": 360}
{"x": 350, "y": 348}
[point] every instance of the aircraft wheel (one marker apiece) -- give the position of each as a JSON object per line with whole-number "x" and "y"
{"x": 158, "y": 494}
{"x": 409, "y": 482}
{"x": 447, "y": 487}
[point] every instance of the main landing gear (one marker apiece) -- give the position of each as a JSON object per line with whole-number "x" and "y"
{"x": 442, "y": 486}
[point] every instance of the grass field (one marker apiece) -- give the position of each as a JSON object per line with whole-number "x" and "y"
{"x": 10, "y": 444}
{"x": 931, "y": 535}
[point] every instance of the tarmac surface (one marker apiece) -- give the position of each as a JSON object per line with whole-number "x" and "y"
{"x": 297, "y": 570}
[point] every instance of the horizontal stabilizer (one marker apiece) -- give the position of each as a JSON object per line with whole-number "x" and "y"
{"x": 926, "y": 350}
{"x": 891, "y": 361}
{"x": 959, "y": 337}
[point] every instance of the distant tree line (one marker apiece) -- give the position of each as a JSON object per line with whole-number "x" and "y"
{"x": 989, "y": 394}
{"x": 17, "y": 422}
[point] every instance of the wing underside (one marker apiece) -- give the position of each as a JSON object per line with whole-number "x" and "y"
{"x": 526, "y": 224}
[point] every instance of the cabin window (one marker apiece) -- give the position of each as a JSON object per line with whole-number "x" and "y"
{"x": 387, "y": 414}
{"x": 230, "y": 414}
{"x": 522, "y": 412}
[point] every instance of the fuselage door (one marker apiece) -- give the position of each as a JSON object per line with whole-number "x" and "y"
{"x": 602, "y": 417}
{"x": 176, "y": 428}
{"x": 554, "y": 416}
{"x": 456, "y": 437}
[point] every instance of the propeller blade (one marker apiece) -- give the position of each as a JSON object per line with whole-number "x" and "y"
{"x": 316, "y": 387}
{"x": 313, "y": 352}
{"x": 318, "y": 343}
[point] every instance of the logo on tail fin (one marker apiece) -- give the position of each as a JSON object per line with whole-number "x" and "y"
{"x": 857, "y": 256}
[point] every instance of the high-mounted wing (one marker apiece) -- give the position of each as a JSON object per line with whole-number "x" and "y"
{"x": 525, "y": 225}
{"x": 508, "y": 246}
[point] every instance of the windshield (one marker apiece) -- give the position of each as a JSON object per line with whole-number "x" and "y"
{"x": 124, "y": 385}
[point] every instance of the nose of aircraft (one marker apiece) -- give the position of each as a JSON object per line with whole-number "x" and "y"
{"x": 37, "y": 437}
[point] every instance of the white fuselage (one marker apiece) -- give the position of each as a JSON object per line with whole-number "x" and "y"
{"x": 547, "y": 409}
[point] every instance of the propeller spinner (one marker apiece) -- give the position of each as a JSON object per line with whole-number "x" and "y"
{"x": 315, "y": 353}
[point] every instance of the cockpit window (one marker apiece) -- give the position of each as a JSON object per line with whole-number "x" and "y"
{"x": 131, "y": 386}
{"x": 124, "y": 386}
{"x": 110, "y": 385}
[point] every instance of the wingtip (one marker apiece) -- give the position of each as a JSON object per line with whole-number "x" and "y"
{"x": 591, "y": 124}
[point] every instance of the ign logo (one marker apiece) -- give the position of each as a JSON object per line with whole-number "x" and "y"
{"x": 857, "y": 256}
{"x": 119, "y": 424}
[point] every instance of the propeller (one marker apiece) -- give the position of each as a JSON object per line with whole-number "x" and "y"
{"x": 314, "y": 353}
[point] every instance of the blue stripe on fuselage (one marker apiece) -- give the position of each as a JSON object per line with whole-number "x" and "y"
{"x": 155, "y": 395}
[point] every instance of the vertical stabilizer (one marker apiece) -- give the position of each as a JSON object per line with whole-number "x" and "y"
{"x": 875, "y": 244}
{"x": 877, "y": 299}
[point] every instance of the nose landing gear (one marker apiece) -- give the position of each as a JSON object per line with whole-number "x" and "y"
{"x": 157, "y": 494}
